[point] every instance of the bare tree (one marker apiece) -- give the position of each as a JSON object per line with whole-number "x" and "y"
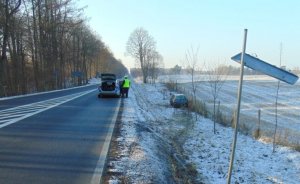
{"x": 192, "y": 66}
{"x": 140, "y": 46}
{"x": 176, "y": 70}
{"x": 216, "y": 77}
{"x": 155, "y": 64}
{"x": 8, "y": 10}
{"x": 42, "y": 43}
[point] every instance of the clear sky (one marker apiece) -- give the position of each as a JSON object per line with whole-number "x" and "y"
{"x": 215, "y": 26}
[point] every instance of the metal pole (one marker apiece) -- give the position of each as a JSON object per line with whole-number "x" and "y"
{"x": 237, "y": 110}
{"x": 276, "y": 103}
{"x": 259, "y": 115}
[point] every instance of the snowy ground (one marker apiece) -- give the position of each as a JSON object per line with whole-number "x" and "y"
{"x": 259, "y": 92}
{"x": 152, "y": 134}
{"x": 254, "y": 161}
{"x": 94, "y": 81}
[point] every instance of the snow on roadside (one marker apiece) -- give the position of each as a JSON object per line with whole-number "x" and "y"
{"x": 147, "y": 117}
{"x": 94, "y": 81}
{"x": 259, "y": 93}
{"x": 254, "y": 160}
{"x": 139, "y": 161}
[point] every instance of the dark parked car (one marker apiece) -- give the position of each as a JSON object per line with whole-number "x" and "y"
{"x": 109, "y": 85}
{"x": 178, "y": 100}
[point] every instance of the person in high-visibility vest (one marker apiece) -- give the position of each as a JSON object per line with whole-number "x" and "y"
{"x": 126, "y": 86}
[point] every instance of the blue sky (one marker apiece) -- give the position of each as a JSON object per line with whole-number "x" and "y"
{"x": 216, "y": 27}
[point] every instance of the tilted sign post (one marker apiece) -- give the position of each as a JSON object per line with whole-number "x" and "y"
{"x": 237, "y": 114}
{"x": 263, "y": 67}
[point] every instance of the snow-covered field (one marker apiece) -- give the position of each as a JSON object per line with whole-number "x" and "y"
{"x": 151, "y": 130}
{"x": 259, "y": 92}
{"x": 254, "y": 160}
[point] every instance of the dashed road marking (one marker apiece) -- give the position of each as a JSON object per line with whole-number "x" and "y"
{"x": 13, "y": 115}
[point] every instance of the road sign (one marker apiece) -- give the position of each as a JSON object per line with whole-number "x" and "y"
{"x": 77, "y": 74}
{"x": 266, "y": 68}
{"x": 263, "y": 67}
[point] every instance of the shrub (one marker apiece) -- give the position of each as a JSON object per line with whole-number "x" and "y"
{"x": 256, "y": 133}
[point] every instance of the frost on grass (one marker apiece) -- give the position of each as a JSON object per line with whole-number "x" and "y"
{"x": 254, "y": 160}
{"x": 259, "y": 93}
{"x": 139, "y": 160}
{"x": 151, "y": 128}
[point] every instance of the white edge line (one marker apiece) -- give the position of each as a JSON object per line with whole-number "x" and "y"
{"x": 31, "y": 114}
{"x": 97, "y": 176}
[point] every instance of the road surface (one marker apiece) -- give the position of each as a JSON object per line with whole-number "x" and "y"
{"x": 59, "y": 137}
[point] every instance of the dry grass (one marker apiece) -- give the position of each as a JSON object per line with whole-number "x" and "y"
{"x": 256, "y": 133}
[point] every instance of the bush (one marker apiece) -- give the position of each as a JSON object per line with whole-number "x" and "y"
{"x": 172, "y": 86}
{"x": 222, "y": 119}
{"x": 256, "y": 133}
{"x": 199, "y": 107}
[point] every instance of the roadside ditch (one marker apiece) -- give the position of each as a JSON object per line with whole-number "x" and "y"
{"x": 168, "y": 136}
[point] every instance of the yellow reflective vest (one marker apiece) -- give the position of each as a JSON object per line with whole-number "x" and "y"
{"x": 126, "y": 83}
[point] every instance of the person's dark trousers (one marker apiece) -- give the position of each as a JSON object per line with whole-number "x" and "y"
{"x": 125, "y": 91}
{"x": 122, "y": 92}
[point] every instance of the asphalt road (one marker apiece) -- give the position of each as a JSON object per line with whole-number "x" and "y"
{"x": 64, "y": 140}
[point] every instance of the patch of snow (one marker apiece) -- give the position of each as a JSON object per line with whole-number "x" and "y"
{"x": 94, "y": 81}
{"x": 254, "y": 161}
{"x": 202, "y": 78}
{"x": 259, "y": 92}
{"x": 148, "y": 121}
{"x": 139, "y": 161}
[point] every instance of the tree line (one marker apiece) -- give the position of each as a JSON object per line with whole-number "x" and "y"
{"x": 46, "y": 45}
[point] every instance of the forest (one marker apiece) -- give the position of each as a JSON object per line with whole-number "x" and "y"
{"x": 47, "y": 45}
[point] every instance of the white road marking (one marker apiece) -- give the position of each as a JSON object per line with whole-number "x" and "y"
{"x": 96, "y": 179}
{"x": 13, "y": 115}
